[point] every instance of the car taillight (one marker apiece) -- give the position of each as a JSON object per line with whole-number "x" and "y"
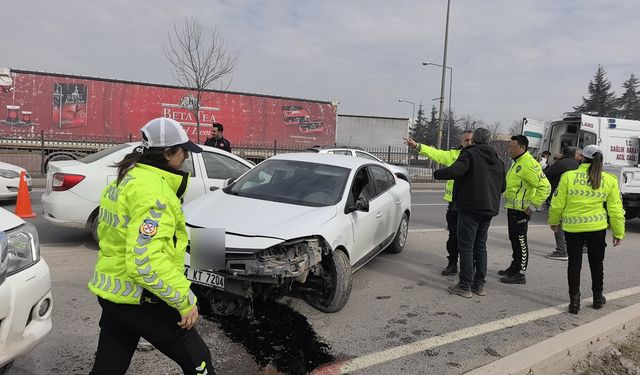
{"x": 65, "y": 181}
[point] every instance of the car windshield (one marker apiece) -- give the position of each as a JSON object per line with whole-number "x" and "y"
{"x": 294, "y": 182}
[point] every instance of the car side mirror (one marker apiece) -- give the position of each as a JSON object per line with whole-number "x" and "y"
{"x": 228, "y": 182}
{"x": 362, "y": 204}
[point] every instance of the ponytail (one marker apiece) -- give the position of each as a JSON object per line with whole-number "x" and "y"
{"x": 127, "y": 163}
{"x": 595, "y": 170}
{"x": 153, "y": 155}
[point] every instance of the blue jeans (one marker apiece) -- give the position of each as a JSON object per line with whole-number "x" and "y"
{"x": 472, "y": 245}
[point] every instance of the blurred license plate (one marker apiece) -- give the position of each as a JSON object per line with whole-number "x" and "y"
{"x": 204, "y": 277}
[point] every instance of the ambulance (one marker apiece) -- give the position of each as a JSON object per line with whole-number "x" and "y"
{"x": 618, "y": 138}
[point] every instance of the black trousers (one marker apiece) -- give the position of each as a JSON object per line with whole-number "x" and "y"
{"x": 518, "y": 223}
{"x": 472, "y": 237}
{"x": 596, "y": 244}
{"x": 121, "y": 326}
{"x": 452, "y": 227}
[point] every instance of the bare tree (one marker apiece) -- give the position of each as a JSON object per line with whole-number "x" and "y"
{"x": 199, "y": 60}
{"x": 516, "y": 127}
{"x": 494, "y": 130}
{"x": 467, "y": 122}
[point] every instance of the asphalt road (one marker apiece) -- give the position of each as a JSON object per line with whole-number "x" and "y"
{"x": 399, "y": 319}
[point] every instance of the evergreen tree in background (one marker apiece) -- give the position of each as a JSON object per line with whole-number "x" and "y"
{"x": 455, "y": 131}
{"x": 419, "y": 129}
{"x": 432, "y": 128}
{"x": 601, "y": 99}
{"x": 629, "y": 102}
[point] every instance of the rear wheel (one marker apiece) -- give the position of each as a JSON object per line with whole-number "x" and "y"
{"x": 333, "y": 285}
{"x": 401, "y": 236}
{"x": 94, "y": 229}
{"x": 5, "y": 369}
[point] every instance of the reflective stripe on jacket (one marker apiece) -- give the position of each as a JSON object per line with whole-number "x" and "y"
{"x": 526, "y": 184}
{"x": 143, "y": 240}
{"x": 581, "y": 208}
{"x": 445, "y": 158}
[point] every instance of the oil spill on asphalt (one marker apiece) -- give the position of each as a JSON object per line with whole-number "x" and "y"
{"x": 278, "y": 335}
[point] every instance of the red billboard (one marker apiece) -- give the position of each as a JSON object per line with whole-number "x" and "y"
{"x": 75, "y": 107}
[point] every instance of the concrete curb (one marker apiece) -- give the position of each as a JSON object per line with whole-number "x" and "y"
{"x": 561, "y": 352}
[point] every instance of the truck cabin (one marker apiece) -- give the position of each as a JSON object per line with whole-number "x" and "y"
{"x": 570, "y": 132}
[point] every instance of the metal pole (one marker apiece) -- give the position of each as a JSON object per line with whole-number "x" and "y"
{"x": 444, "y": 74}
{"x": 413, "y": 108}
{"x": 450, "y": 119}
{"x": 413, "y": 112}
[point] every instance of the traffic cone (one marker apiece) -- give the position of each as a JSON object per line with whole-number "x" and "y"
{"x": 23, "y": 204}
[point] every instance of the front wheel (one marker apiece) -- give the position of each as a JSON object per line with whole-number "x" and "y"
{"x": 333, "y": 285}
{"x": 631, "y": 213}
{"x": 401, "y": 236}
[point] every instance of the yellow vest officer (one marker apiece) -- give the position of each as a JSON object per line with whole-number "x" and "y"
{"x": 586, "y": 202}
{"x": 139, "y": 276}
{"x": 446, "y": 158}
{"x": 527, "y": 189}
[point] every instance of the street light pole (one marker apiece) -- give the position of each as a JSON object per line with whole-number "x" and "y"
{"x": 413, "y": 113}
{"x": 444, "y": 74}
{"x": 449, "y": 123}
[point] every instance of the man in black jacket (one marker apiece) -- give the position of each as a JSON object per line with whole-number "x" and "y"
{"x": 479, "y": 176}
{"x": 568, "y": 162}
{"x": 217, "y": 140}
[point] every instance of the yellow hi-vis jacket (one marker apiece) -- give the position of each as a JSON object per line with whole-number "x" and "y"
{"x": 581, "y": 208}
{"x": 444, "y": 157}
{"x": 143, "y": 239}
{"x": 527, "y": 186}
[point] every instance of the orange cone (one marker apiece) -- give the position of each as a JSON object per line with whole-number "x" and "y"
{"x": 23, "y": 204}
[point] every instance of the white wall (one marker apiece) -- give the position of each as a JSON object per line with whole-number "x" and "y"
{"x": 369, "y": 131}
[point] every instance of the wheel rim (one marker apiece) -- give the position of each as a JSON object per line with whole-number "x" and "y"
{"x": 404, "y": 228}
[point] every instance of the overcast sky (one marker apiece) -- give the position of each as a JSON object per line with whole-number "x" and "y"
{"x": 510, "y": 58}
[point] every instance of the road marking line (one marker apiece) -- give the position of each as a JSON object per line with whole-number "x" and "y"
{"x": 376, "y": 358}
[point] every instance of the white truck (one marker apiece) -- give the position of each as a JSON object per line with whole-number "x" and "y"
{"x": 618, "y": 138}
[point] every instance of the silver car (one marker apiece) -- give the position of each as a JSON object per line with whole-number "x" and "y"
{"x": 400, "y": 172}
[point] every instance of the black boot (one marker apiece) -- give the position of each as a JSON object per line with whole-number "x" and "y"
{"x": 507, "y": 271}
{"x": 598, "y": 300}
{"x": 450, "y": 269}
{"x": 574, "y": 304}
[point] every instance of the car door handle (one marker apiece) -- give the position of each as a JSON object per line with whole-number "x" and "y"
{"x": 378, "y": 215}
{"x": 397, "y": 203}
{"x": 213, "y": 188}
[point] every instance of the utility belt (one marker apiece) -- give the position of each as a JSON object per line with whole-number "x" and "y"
{"x": 149, "y": 298}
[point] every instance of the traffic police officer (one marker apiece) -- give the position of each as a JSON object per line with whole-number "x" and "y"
{"x": 446, "y": 158}
{"x": 585, "y": 197}
{"x": 527, "y": 190}
{"x": 139, "y": 276}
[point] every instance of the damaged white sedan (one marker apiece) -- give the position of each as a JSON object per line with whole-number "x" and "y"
{"x": 296, "y": 224}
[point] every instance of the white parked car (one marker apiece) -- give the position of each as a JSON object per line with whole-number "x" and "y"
{"x": 10, "y": 180}
{"x": 297, "y": 224}
{"x": 400, "y": 172}
{"x": 25, "y": 290}
{"x": 73, "y": 188}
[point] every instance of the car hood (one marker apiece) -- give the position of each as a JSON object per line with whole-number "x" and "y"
{"x": 8, "y": 220}
{"x": 11, "y": 167}
{"x": 248, "y": 218}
